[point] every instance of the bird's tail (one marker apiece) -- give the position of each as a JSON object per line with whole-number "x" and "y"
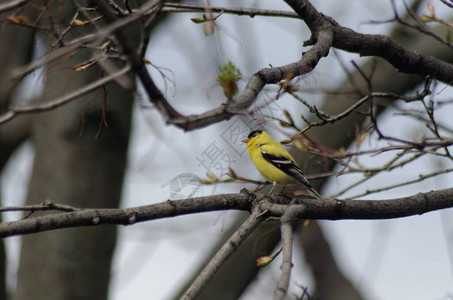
{"x": 315, "y": 192}
{"x": 307, "y": 184}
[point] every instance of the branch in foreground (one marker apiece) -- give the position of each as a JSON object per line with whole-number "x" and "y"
{"x": 329, "y": 210}
{"x": 287, "y": 246}
{"x": 230, "y": 246}
{"x": 126, "y": 216}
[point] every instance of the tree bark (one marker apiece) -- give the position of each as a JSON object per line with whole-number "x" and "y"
{"x": 71, "y": 166}
{"x": 16, "y": 51}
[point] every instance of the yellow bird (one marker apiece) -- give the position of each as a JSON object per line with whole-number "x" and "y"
{"x": 273, "y": 161}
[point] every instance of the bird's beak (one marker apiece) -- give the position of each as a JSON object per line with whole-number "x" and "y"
{"x": 246, "y": 140}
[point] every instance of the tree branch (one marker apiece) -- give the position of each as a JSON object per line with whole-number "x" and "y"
{"x": 329, "y": 209}
{"x": 225, "y": 111}
{"x": 138, "y": 64}
{"x": 60, "y": 101}
{"x": 127, "y": 216}
{"x": 326, "y": 33}
{"x": 224, "y": 253}
{"x": 251, "y": 12}
{"x": 287, "y": 245}
{"x": 12, "y": 4}
{"x": 406, "y": 61}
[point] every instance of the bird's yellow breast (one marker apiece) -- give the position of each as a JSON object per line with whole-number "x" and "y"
{"x": 268, "y": 170}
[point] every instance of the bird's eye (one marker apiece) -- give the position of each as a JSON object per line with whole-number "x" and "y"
{"x": 254, "y": 133}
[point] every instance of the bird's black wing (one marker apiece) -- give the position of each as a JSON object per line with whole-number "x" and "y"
{"x": 289, "y": 167}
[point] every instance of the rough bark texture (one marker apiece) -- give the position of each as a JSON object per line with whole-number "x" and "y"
{"x": 71, "y": 166}
{"x": 80, "y": 171}
{"x": 15, "y": 52}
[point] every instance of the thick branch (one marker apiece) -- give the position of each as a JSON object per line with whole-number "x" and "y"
{"x": 330, "y": 209}
{"x": 336, "y": 209}
{"x": 127, "y": 216}
{"x": 325, "y": 33}
{"x": 406, "y": 61}
{"x": 226, "y": 111}
{"x": 256, "y": 83}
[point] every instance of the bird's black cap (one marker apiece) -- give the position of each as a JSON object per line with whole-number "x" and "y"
{"x": 254, "y": 133}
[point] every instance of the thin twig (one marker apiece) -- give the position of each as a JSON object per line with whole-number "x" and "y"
{"x": 20, "y": 110}
{"x": 419, "y": 25}
{"x": 46, "y": 205}
{"x": 389, "y": 187}
{"x": 251, "y": 12}
{"x": 77, "y": 43}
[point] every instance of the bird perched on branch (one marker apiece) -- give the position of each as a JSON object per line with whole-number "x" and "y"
{"x": 273, "y": 161}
